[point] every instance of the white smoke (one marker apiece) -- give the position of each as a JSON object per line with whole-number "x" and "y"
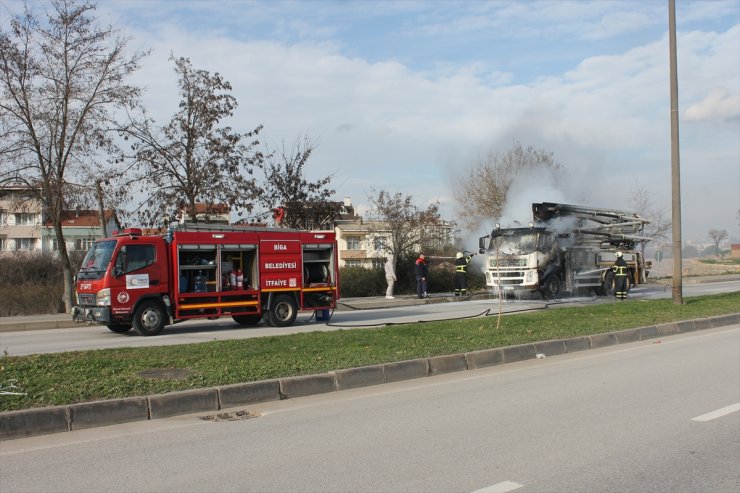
{"x": 528, "y": 187}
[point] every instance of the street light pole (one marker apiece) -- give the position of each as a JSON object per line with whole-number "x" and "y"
{"x": 675, "y": 161}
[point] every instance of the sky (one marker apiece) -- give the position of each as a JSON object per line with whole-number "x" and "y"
{"x": 406, "y": 96}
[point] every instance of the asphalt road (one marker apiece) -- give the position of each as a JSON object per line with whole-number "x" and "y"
{"x": 658, "y": 415}
{"x": 84, "y": 337}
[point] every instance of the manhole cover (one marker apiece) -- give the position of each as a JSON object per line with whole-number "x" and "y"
{"x": 166, "y": 373}
{"x": 232, "y": 416}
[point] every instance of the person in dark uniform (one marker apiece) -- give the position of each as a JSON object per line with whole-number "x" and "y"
{"x": 620, "y": 277}
{"x": 461, "y": 272}
{"x": 421, "y": 271}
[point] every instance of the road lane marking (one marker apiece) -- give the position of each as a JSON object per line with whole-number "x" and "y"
{"x": 732, "y": 408}
{"x": 503, "y": 487}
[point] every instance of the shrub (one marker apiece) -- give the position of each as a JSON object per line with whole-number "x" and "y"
{"x": 30, "y": 283}
{"x": 358, "y": 282}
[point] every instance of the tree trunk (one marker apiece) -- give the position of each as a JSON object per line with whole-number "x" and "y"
{"x": 67, "y": 275}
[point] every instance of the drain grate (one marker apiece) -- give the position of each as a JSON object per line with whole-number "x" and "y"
{"x": 233, "y": 416}
{"x": 166, "y": 373}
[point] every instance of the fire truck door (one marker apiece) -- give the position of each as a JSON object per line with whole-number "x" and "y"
{"x": 136, "y": 273}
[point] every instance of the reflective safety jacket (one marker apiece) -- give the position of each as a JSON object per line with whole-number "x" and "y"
{"x": 461, "y": 264}
{"x": 620, "y": 267}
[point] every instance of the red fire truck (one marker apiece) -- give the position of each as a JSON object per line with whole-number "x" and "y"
{"x": 196, "y": 271}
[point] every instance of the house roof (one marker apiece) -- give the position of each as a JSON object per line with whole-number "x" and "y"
{"x": 203, "y": 208}
{"x": 83, "y": 218}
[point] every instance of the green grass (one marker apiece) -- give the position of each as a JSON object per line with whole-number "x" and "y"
{"x": 66, "y": 378}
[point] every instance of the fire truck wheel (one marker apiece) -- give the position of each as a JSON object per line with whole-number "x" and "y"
{"x": 247, "y": 319}
{"x": 283, "y": 311}
{"x": 609, "y": 286}
{"x": 119, "y": 328}
{"x": 551, "y": 287}
{"x": 149, "y": 319}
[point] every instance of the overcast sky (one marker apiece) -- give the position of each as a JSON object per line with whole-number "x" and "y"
{"x": 405, "y": 96}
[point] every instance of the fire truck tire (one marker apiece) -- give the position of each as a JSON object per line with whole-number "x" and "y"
{"x": 149, "y": 318}
{"x": 608, "y": 286}
{"x": 283, "y": 312}
{"x": 247, "y": 319}
{"x": 551, "y": 287}
{"x": 119, "y": 328}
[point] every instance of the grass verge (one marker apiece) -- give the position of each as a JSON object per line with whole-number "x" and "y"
{"x": 82, "y": 376}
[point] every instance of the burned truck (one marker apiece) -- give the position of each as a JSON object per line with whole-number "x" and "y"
{"x": 566, "y": 250}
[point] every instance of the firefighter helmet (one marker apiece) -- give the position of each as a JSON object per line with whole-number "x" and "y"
{"x": 458, "y": 255}
{"x": 618, "y": 254}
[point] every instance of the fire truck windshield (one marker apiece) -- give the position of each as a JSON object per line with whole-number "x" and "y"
{"x": 97, "y": 259}
{"x": 515, "y": 242}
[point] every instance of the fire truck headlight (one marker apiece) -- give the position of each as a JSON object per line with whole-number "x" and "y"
{"x": 103, "y": 297}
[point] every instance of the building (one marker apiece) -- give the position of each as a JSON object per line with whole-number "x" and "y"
{"x": 21, "y": 216}
{"x": 364, "y": 243}
{"x": 80, "y": 229}
{"x": 206, "y": 213}
{"x": 25, "y": 228}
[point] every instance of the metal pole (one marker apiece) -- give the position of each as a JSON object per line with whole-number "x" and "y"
{"x": 675, "y": 161}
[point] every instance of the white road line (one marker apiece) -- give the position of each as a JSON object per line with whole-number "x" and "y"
{"x": 504, "y": 487}
{"x": 732, "y": 408}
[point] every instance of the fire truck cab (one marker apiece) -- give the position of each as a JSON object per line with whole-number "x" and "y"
{"x": 146, "y": 282}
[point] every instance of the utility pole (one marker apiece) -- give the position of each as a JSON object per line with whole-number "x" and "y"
{"x": 675, "y": 161}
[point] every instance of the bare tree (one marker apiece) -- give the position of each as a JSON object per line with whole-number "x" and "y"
{"x": 483, "y": 192}
{"x": 193, "y": 159}
{"x": 303, "y": 204}
{"x": 407, "y": 226}
{"x": 717, "y": 235}
{"x": 63, "y": 78}
{"x": 660, "y": 224}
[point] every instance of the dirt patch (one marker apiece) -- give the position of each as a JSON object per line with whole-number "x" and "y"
{"x": 692, "y": 267}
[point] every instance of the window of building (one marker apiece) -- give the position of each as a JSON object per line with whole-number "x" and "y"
{"x": 378, "y": 263}
{"x": 83, "y": 244}
{"x": 379, "y": 243}
{"x": 353, "y": 263}
{"x": 3, "y": 218}
{"x": 54, "y": 244}
{"x": 25, "y": 219}
{"x": 354, "y": 243}
{"x": 3, "y": 244}
{"x": 24, "y": 244}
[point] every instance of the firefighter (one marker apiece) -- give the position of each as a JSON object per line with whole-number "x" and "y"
{"x": 461, "y": 272}
{"x": 620, "y": 277}
{"x": 421, "y": 271}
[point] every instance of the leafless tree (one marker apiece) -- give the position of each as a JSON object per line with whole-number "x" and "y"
{"x": 304, "y": 204}
{"x": 63, "y": 78}
{"x": 660, "y": 225}
{"x": 717, "y": 235}
{"x": 407, "y": 226}
{"x": 193, "y": 159}
{"x": 482, "y": 193}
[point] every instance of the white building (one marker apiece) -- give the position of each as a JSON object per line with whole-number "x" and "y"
{"x": 21, "y": 216}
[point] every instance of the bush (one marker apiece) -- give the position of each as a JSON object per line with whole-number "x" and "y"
{"x": 30, "y": 283}
{"x": 358, "y": 282}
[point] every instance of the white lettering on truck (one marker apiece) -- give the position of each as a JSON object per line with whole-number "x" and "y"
{"x": 279, "y": 247}
{"x": 276, "y": 282}
{"x": 281, "y": 265}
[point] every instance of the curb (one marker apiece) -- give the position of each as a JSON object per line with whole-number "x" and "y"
{"x": 42, "y": 421}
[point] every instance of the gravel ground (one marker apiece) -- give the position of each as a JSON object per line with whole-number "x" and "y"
{"x": 691, "y": 267}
